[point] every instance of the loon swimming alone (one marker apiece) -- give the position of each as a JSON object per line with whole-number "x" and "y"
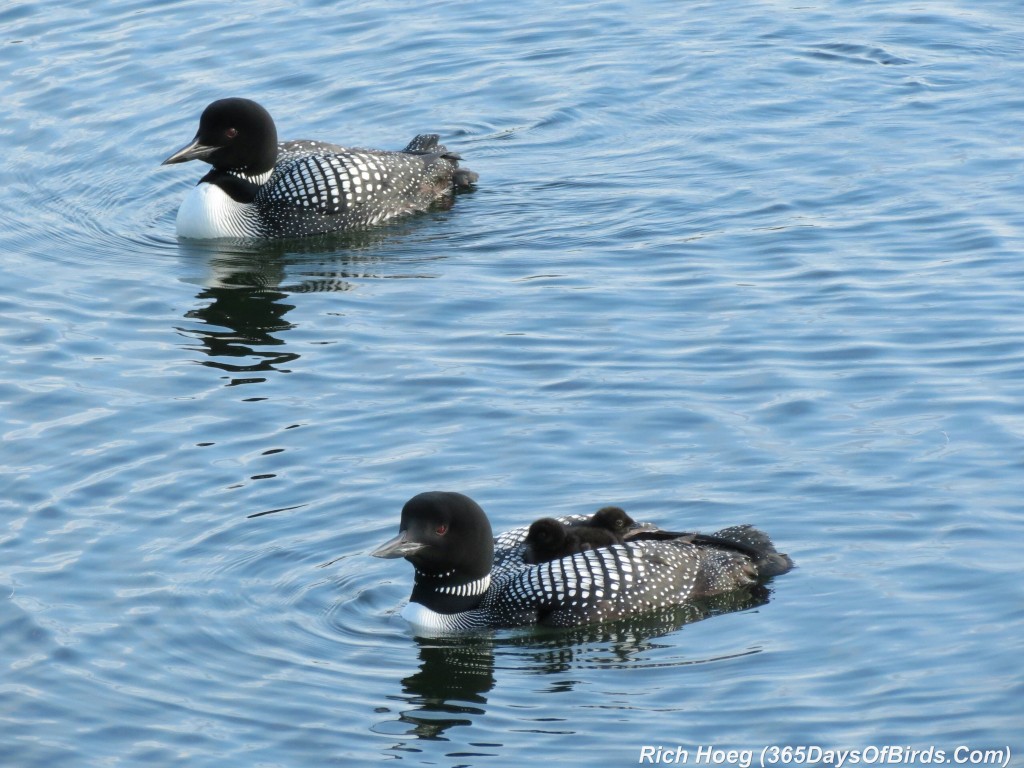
{"x": 261, "y": 189}
{"x": 466, "y": 580}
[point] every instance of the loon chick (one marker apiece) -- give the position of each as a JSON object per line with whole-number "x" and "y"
{"x": 261, "y": 189}
{"x": 458, "y": 585}
{"x": 616, "y": 520}
{"x": 550, "y": 539}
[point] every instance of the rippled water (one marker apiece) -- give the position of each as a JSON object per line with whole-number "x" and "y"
{"x": 731, "y": 262}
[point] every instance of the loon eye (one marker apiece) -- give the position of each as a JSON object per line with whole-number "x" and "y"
{"x": 441, "y": 529}
{"x": 231, "y": 133}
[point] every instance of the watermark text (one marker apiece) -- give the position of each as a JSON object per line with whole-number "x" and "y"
{"x": 707, "y": 755}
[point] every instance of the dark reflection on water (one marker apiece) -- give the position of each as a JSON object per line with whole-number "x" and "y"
{"x": 243, "y": 302}
{"x": 242, "y": 316}
{"x": 456, "y": 674}
{"x": 623, "y": 642}
{"x": 451, "y": 684}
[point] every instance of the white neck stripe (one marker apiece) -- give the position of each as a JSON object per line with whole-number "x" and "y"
{"x": 471, "y": 588}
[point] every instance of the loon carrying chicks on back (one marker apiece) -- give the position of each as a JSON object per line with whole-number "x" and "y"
{"x": 550, "y": 539}
{"x": 261, "y": 189}
{"x": 466, "y": 580}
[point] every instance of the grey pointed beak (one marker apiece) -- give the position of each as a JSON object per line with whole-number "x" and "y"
{"x": 194, "y": 151}
{"x": 400, "y": 546}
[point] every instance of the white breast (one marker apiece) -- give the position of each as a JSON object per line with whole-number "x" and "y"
{"x": 208, "y": 212}
{"x": 425, "y": 621}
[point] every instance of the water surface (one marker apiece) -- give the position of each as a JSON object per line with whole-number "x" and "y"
{"x": 731, "y": 262}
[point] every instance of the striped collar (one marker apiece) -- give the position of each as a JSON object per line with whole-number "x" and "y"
{"x": 469, "y": 589}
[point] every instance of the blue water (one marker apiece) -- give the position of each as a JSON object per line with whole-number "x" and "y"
{"x": 727, "y": 262}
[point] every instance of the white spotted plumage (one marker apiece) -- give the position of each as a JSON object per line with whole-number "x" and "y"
{"x": 316, "y": 188}
{"x": 326, "y": 187}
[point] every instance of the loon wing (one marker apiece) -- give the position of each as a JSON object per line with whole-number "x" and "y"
{"x": 611, "y": 583}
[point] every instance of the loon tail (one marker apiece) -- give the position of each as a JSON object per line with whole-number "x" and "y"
{"x": 745, "y": 539}
{"x": 463, "y": 178}
{"x": 756, "y": 543}
{"x": 427, "y": 144}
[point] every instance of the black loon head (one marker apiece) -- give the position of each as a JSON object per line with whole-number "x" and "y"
{"x": 235, "y": 135}
{"x": 448, "y": 538}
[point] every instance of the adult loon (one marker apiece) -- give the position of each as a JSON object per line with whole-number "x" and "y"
{"x": 466, "y": 580}
{"x": 261, "y": 189}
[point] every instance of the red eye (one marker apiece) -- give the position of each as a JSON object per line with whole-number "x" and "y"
{"x": 441, "y": 529}
{"x": 231, "y": 133}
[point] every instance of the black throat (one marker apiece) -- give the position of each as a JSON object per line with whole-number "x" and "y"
{"x": 448, "y": 593}
{"x": 239, "y": 189}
